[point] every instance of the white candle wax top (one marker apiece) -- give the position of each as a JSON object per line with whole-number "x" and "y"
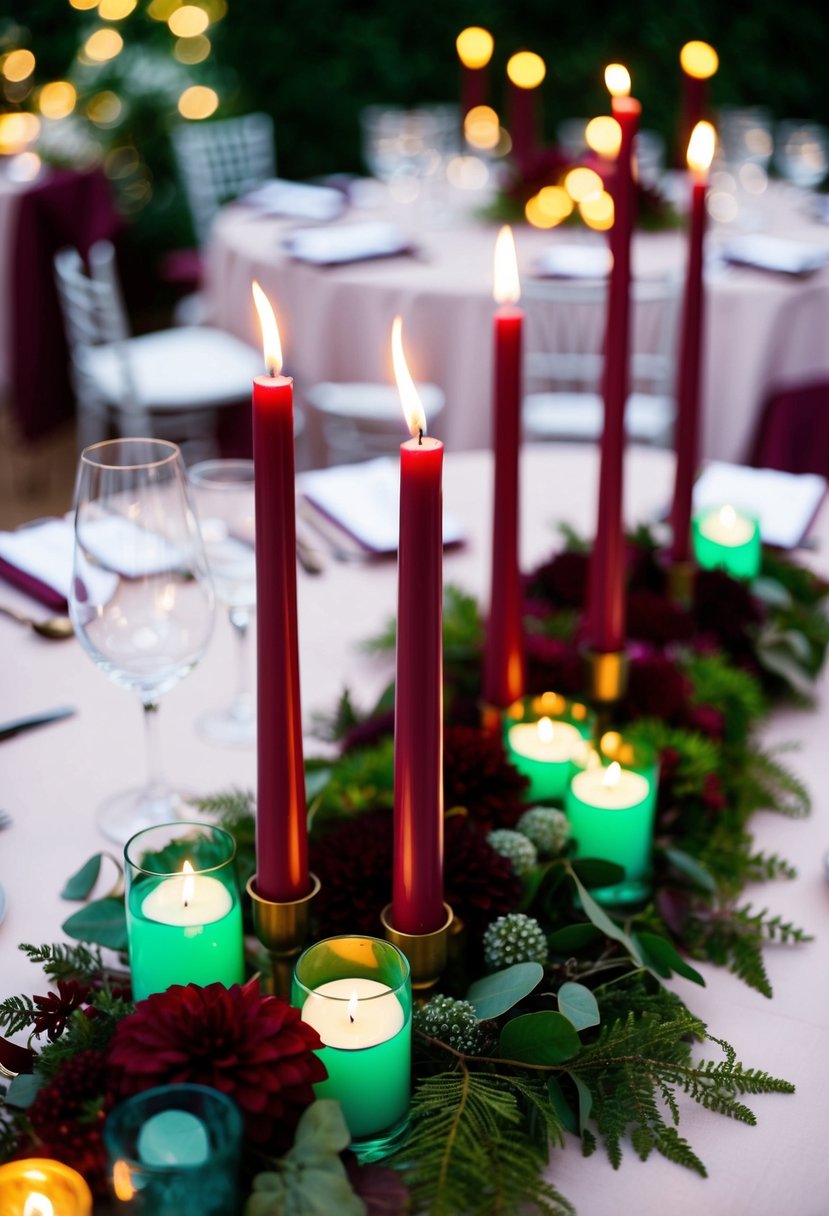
{"x": 38, "y": 1205}
{"x": 173, "y": 1137}
{"x": 612, "y": 789}
{"x": 727, "y": 526}
{"x": 552, "y": 742}
{"x": 187, "y": 899}
{"x": 353, "y": 1013}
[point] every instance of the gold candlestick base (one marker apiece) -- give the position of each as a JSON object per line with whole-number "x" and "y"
{"x": 426, "y": 952}
{"x": 681, "y": 576}
{"x": 607, "y": 676}
{"x": 282, "y": 928}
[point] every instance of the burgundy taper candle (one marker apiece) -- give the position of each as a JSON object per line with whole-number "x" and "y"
{"x": 526, "y": 71}
{"x": 281, "y": 815}
{"x": 504, "y": 671}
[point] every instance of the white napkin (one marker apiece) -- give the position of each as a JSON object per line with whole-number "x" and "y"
{"x": 281, "y": 197}
{"x": 347, "y": 243}
{"x": 775, "y": 253}
{"x": 573, "y": 262}
{"x": 783, "y": 503}
{"x": 363, "y": 499}
{"x": 43, "y": 551}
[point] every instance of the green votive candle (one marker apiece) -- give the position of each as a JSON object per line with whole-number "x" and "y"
{"x": 184, "y": 925}
{"x": 544, "y": 748}
{"x": 355, "y": 992}
{"x": 727, "y": 539}
{"x": 611, "y": 813}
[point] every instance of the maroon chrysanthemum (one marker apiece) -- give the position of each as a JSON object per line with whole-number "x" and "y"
{"x": 478, "y": 776}
{"x": 726, "y": 609}
{"x": 655, "y": 618}
{"x": 656, "y": 688}
{"x": 353, "y": 863}
{"x": 562, "y": 581}
{"x": 553, "y": 664}
{"x": 253, "y": 1048}
{"x": 56, "y": 1008}
{"x": 67, "y": 1118}
{"x": 479, "y": 883}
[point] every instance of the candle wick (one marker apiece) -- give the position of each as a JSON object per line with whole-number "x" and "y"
{"x": 351, "y": 1017}
{"x": 420, "y": 437}
{"x": 272, "y": 371}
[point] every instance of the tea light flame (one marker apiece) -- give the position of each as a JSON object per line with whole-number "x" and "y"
{"x": 613, "y": 775}
{"x": 409, "y": 398}
{"x": 617, "y": 79}
{"x": 270, "y": 332}
{"x": 545, "y": 730}
{"x": 38, "y": 1205}
{"x": 352, "y": 1006}
{"x": 188, "y": 885}
{"x": 507, "y": 288}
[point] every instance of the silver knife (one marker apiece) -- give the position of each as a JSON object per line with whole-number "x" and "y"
{"x": 19, "y": 725}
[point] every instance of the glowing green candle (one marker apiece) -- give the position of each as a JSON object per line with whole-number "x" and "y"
{"x": 727, "y": 539}
{"x": 611, "y": 813}
{"x": 545, "y": 747}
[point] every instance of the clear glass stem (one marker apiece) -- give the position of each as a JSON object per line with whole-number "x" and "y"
{"x": 242, "y": 708}
{"x": 156, "y": 784}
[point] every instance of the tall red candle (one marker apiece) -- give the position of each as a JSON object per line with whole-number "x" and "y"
{"x": 699, "y": 62}
{"x": 281, "y": 817}
{"x": 606, "y": 598}
{"x": 504, "y": 649}
{"x": 526, "y": 71}
{"x": 700, "y": 154}
{"x": 417, "y": 889}
{"x": 474, "y": 46}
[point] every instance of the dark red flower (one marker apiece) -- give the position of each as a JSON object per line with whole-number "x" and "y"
{"x": 353, "y": 863}
{"x": 56, "y": 1008}
{"x": 253, "y": 1048}
{"x": 553, "y": 664}
{"x": 725, "y": 608}
{"x": 656, "y": 688}
{"x": 713, "y": 794}
{"x": 478, "y": 776}
{"x": 656, "y": 619}
{"x": 669, "y": 759}
{"x": 562, "y": 581}
{"x": 708, "y": 720}
{"x": 14, "y": 1058}
{"x": 370, "y": 731}
{"x": 479, "y": 883}
{"x": 68, "y": 1114}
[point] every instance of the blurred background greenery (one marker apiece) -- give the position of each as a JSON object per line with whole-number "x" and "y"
{"x": 314, "y": 65}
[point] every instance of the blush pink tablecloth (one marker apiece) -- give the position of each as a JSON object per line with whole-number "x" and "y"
{"x": 53, "y": 779}
{"x": 763, "y": 331}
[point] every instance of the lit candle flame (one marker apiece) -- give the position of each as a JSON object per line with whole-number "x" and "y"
{"x": 352, "y": 1006}
{"x": 545, "y": 730}
{"x": 270, "y": 333}
{"x": 701, "y": 147}
{"x": 728, "y": 516}
{"x": 507, "y": 289}
{"x": 122, "y": 1181}
{"x": 409, "y": 398}
{"x": 38, "y": 1205}
{"x": 617, "y": 79}
{"x": 188, "y": 884}
{"x": 474, "y": 46}
{"x": 611, "y": 778}
{"x": 699, "y": 59}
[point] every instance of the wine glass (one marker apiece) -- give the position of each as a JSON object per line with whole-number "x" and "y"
{"x": 223, "y": 494}
{"x": 141, "y": 599}
{"x": 801, "y": 153}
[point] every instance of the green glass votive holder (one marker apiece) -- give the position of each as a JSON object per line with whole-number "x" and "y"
{"x": 544, "y": 736}
{"x": 611, "y": 806}
{"x": 357, "y": 994}
{"x": 184, "y": 913}
{"x": 174, "y": 1151}
{"x": 727, "y": 539}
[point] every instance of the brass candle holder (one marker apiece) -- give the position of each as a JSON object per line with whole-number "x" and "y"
{"x": 282, "y": 928}
{"x": 681, "y": 576}
{"x": 607, "y": 676}
{"x": 426, "y": 952}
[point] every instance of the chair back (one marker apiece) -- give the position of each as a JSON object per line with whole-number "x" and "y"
{"x": 87, "y": 305}
{"x": 218, "y": 161}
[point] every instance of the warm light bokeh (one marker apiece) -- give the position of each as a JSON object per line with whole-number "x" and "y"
{"x": 271, "y": 345}
{"x": 104, "y": 109}
{"x": 188, "y": 21}
{"x": 198, "y": 102}
{"x": 474, "y": 46}
{"x": 409, "y": 397}
{"x": 550, "y": 207}
{"x": 18, "y": 65}
{"x": 699, "y": 59}
{"x": 507, "y": 285}
{"x": 115, "y": 10}
{"x": 481, "y": 128}
{"x": 192, "y": 50}
{"x": 526, "y": 70}
{"x": 701, "y": 147}
{"x": 597, "y": 211}
{"x": 603, "y": 135}
{"x": 17, "y": 130}
{"x": 582, "y": 183}
{"x": 57, "y": 99}
{"x": 617, "y": 79}
{"x": 103, "y": 45}
{"x": 84, "y": 5}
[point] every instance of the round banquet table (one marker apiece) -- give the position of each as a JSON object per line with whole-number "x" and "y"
{"x": 763, "y": 331}
{"x": 54, "y": 778}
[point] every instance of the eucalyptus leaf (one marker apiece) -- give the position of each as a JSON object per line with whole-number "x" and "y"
{"x": 578, "y": 1005}
{"x": 602, "y": 921}
{"x": 319, "y": 1192}
{"x": 103, "y": 922}
{"x": 561, "y": 1106}
{"x": 83, "y": 880}
{"x": 539, "y": 1038}
{"x": 585, "y": 1101}
{"x": 595, "y": 872}
{"x": 572, "y": 938}
{"x": 315, "y": 781}
{"x": 495, "y": 994}
{"x": 771, "y": 592}
{"x": 782, "y": 664}
{"x": 22, "y": 1090}
{"x": 691, "y": 868}
{"x": 322, "y": 1129}
{"x": 661, "y": 956}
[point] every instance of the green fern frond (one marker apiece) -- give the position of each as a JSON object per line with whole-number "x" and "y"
{"x": 233, "y": 806}
{"x": 17, "y": 1013}
{"x": 768, "y": 867}
{"x": 767, "y": 784}
{"x": 65, "y": 961}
